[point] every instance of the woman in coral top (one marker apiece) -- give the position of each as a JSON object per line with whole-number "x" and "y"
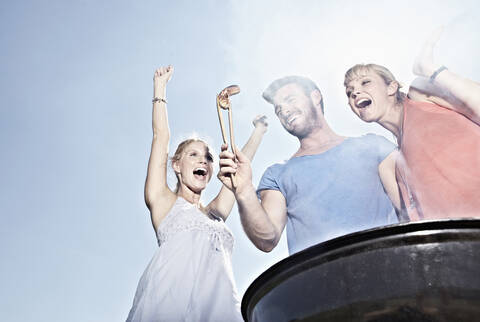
{"x": 437, "y": 126}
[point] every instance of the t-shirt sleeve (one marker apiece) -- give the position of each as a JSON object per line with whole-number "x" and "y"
{"x": 383, "y": 146}
{"x": 269, "y": 179}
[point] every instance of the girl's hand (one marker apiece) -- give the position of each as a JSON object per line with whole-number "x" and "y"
{"x": 260, "y": 122}
{"x": 424, "y": 65}
{"x": 160, "y": 79}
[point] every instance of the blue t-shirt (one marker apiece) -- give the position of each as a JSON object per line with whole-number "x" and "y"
{"x": 333, "y": 193}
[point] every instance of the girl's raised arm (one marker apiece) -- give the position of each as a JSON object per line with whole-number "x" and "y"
{"x": 158, "y": 196}
{"x": 442, "y": 86}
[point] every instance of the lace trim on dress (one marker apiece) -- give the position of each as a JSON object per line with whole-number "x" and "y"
{"x": 186, "y": 217}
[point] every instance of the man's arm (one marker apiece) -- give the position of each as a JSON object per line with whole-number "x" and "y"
{"x": 263, "y": 222}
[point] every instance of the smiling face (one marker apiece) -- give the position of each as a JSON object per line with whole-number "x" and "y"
{"x": 295, "y": 110}
{"x": 369, "y": 96}
{"x": 193, "y": 166}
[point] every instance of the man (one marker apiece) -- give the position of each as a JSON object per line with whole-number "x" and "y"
{"x": 329, "y": 187}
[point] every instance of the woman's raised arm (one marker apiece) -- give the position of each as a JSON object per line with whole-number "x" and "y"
{"x": 442, "y": 86}
{"x": 158, "y": 196}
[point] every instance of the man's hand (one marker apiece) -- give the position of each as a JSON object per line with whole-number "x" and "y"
{"x": 240, "y": 167}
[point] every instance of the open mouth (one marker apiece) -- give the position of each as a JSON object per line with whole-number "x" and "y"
{"x": 364, "y": 102}
{"x": 291, "y": 119}
{"x": 200, "y": 172}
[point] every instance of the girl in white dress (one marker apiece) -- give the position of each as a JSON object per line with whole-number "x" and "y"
{"x": 190, "y": 275}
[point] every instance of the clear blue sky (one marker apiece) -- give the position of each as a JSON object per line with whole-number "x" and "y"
{"x": 75, "y": 121}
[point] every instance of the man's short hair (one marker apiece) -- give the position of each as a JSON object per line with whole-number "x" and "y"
{"x": 306, "y": 84}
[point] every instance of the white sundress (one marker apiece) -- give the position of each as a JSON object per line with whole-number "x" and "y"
{"x": 190, "y": 276}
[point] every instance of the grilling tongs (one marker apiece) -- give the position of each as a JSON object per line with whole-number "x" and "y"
{"x": 223, "y": 102}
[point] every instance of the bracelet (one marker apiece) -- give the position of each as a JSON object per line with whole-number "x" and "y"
{"x": 435, "y": 74}
{"x": 159, "y": 99}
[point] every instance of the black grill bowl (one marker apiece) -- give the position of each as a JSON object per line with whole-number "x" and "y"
{"x": 421, "y": 271}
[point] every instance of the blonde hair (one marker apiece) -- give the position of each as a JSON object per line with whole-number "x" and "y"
{"x": 387, "y": 76}
{"x": 179, "y": 151}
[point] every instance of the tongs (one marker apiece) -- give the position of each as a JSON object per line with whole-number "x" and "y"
{"x": 223, "y": 102}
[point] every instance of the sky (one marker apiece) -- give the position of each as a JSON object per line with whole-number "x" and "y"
{"x": 75, "y": 121}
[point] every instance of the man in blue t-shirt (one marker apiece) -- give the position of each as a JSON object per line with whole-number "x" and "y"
{"x": 330, "y": 187}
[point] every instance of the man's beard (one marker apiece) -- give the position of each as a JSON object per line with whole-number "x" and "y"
{"x": 311, "y": 120}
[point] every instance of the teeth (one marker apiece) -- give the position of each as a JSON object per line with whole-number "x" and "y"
{"x": 364, "y": 102}
{"x": 200, "y": 171}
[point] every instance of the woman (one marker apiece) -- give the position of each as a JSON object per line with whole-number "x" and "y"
{"x": 437, "y": 126}
{"x": 190, "y": 276}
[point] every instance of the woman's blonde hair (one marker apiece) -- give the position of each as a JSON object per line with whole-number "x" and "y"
{"x": 362, "y": 69}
